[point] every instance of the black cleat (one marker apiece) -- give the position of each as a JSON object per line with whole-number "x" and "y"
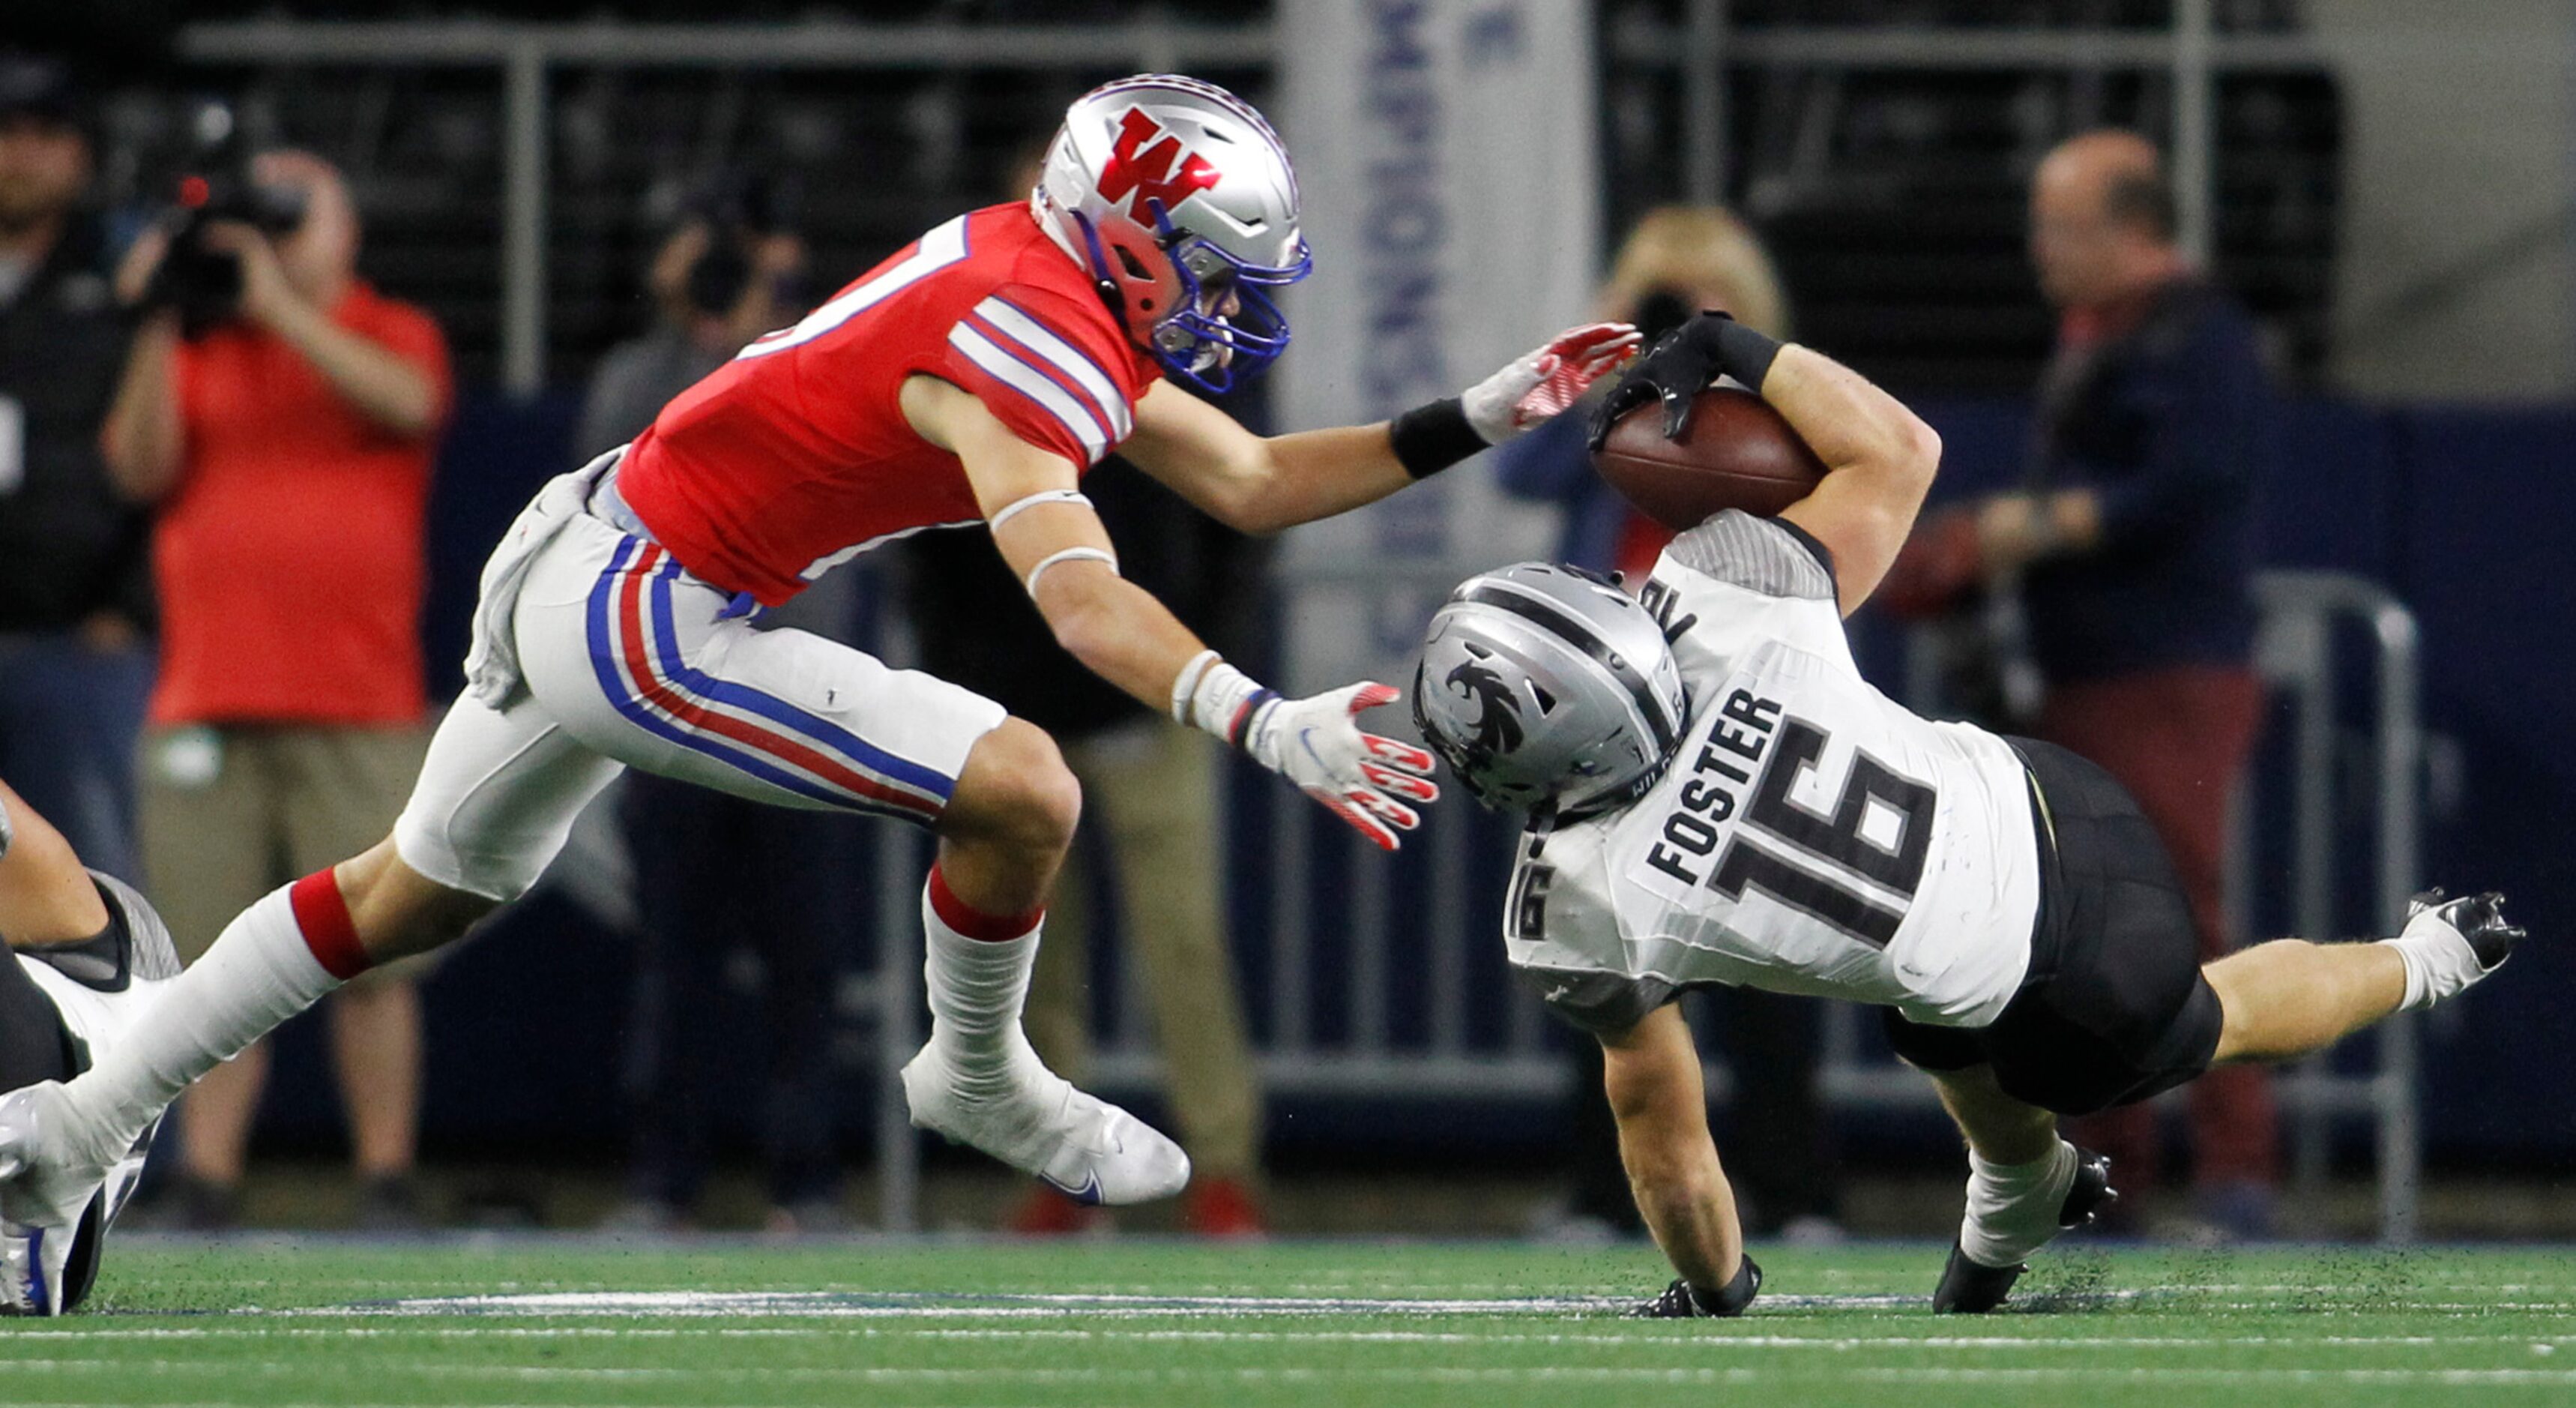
{"x": 1683, "y": 1301}
{"x": 2476, "y": 918}
{"x": 1968, "y": 1288}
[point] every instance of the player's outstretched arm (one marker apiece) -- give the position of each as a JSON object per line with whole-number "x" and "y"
{"x": 1258, "y": 484}
{"x": 1046, "y": 530}
{"x": 1651, "y": 1074}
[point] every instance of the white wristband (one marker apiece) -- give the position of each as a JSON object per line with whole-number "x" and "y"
{"x": 1186, "y": 683}
{"x": 1069, "y": 555}
{"x": 1222, "y": 701}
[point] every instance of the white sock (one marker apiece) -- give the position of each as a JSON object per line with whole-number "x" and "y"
{"x": 259, "y": 973}
{"x": 2439, "y": 963}
{"x": 976, "y": 989}
{"x": 2012, "y": 1208}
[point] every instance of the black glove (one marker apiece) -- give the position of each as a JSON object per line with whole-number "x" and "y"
{"x": 1683, "y": 1301}
{"x": 1683, "y": 365}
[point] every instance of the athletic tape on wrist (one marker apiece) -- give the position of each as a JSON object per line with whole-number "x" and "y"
{"x": 1046, "y": 496}
{"x": 1186, "y": 683}
{"x": 1225, "y": 701}
{"x": 1102, "y": 555}
{"x": 1430, "y": 438}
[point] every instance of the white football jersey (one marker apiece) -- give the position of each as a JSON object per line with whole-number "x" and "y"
{"x": 1811, "y": 835}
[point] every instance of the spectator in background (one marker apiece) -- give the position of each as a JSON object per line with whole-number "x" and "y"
{"x": 285, "y": 434}
{"x": 75, "y": 577}
{"x": 1679, "y": 260}
{"x": 2131, "y": 550}
{"x": 716, "y": 875}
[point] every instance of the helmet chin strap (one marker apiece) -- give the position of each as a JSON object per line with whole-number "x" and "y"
{"x": 1098, "y": 266}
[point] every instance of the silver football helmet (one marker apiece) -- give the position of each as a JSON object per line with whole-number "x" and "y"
{"x": 1179, "y": 200}
{"x": 1548, "y": 686}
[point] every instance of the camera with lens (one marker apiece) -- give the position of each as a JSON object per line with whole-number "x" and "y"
{"x": 204, "y": 283}
{"x": 739, "y": 210}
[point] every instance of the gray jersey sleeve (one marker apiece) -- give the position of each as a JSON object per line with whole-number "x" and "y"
{"x": 155, "y": 953}
{"x": 1764, "y": 555}
{"x": 1603, "y": 1004}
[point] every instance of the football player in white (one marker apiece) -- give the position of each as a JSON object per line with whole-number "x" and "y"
{"x": 80, "y": 955}
{"x": 1718, "y": 796}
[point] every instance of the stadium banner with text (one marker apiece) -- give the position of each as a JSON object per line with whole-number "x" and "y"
{"x": 1445, "y": 152}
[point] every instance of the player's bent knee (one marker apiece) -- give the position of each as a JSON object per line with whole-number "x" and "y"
{"x": 1015, "y": 790}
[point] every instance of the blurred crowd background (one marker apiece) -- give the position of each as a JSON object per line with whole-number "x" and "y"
{"x": 299, "y": 301}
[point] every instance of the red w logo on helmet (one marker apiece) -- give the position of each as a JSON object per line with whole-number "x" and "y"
{"x": 1164, "y": 171}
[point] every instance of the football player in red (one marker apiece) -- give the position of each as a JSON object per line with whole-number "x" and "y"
{"x": 971, "y": 378}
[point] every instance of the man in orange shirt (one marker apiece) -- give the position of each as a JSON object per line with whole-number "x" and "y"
{"x": 287, "y": 448}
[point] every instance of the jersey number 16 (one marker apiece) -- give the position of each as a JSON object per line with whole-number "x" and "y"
{"x": 1825, "y": 891}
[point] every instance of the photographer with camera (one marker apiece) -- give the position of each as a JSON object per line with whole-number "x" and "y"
{"x": 281, "y": 416}
{"x": 731, "y": 268}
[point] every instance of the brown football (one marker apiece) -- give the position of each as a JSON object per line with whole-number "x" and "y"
{"x": 1736, "y": 453}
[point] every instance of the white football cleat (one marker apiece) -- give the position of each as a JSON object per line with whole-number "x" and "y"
{"x": 1083, "y": 1147}
{"x": 46, "y": 1185}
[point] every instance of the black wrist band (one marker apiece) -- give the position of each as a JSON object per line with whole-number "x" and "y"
{"x": 1431, "y": 437}
{"x": 1744, "y": 354}
{"x": 1730, "y": 1299}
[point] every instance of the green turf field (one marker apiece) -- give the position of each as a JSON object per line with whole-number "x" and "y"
{"x": 1339, "y": 1324}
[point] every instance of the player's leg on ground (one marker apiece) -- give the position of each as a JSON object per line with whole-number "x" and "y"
{"x": 2026, "y": 1184}
{"x": 647, "y": 665}
{"x": 1058, "y": 1020}
{"x": 1058, "y": 1017}
{"x": 1153, "y": 786}
{"x": 1999, "y": 1129}
{"x": 1002, "y": 838}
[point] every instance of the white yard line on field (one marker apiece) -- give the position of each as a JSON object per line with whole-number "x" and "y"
{"x": 1498, "y": 1375}
{"x": 1636, "y": 1336}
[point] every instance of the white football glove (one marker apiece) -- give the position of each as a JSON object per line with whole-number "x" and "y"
{"x": 1317, "y": 744}
{"x": 40, "y": 1204}
{"x": 1543, "y": 383}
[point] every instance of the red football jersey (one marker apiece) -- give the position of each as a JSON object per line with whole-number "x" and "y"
{"x": 795, "y": 455}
